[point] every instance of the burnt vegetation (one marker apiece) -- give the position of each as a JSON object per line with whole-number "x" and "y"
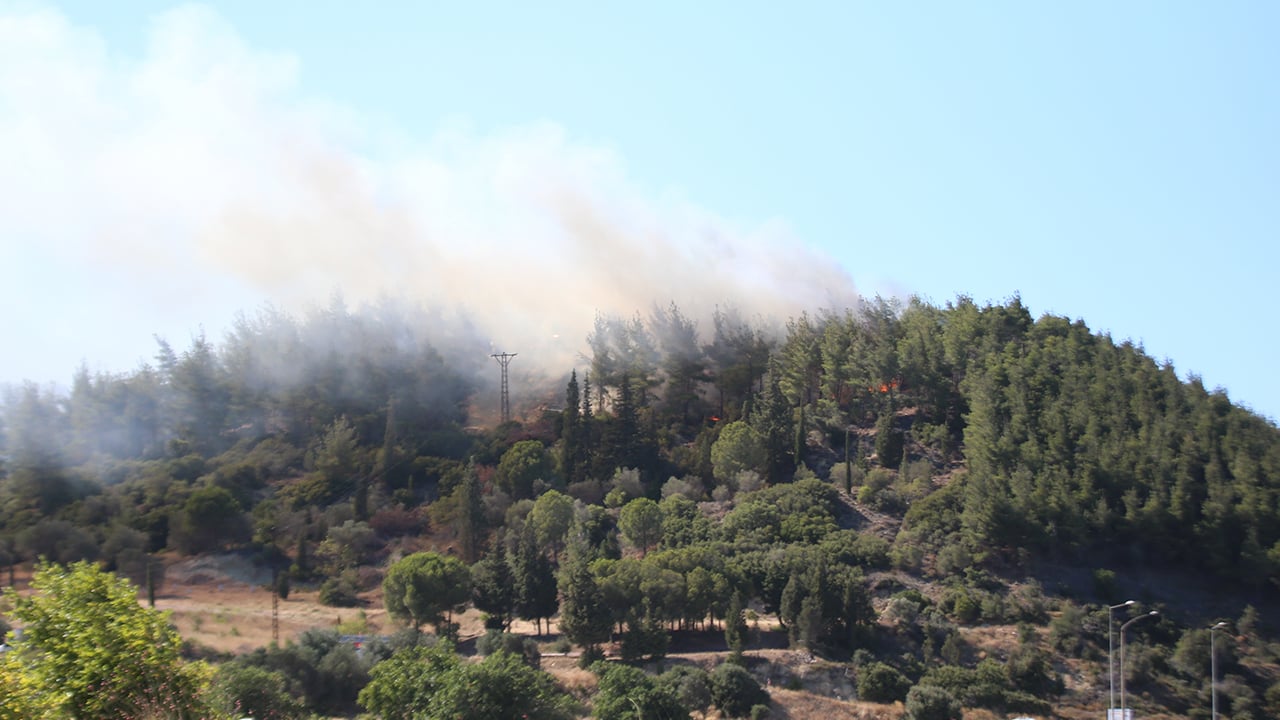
{"x": 879, "y": 486}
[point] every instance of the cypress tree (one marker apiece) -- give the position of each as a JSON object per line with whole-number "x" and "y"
{"x": 387, "y": 458}
{"x": 360, "y": 499}
{"x": 573, "y": 448}
{"x": 470, "y": 515}
{"x": 735, "y": 628}
{"x": 151, "y": 583}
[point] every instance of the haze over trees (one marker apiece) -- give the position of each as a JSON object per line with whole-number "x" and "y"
{"x": 872, "y": 480}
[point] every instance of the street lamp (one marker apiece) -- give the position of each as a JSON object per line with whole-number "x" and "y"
{"x": 1213, "y": 667}
{"x": 1153, "y": 613}
{"x": 1111, "y": 663}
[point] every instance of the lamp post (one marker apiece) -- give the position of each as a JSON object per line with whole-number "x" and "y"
{"x": 1123, "y": 627}
{"x": 1111, "y": 663}
{"x": 1213, "y": 667}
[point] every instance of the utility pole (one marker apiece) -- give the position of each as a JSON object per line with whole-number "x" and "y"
{"x": 275, "y": 608}
{"x": 504, "y": 359}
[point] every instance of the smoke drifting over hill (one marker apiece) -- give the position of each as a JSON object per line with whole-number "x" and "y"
{"x": 152, "y": 194}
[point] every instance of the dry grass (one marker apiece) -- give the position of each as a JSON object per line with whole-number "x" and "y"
{"x": 223, "y": 611}
{"x": 800, "y": 705}
{"x": 578, "y": 682}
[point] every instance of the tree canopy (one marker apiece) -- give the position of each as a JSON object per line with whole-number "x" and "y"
{"x": 425, "y": 588}
{"x": 89, "y": 649}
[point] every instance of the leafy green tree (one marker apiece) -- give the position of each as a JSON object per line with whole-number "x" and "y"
{"x": 89, "y": 644}
{"x": 641, "y": 523}
{"x": 22, "y": 697}
{"x": 249, "y": 690}
{"x": 734, "y": 691}
{"x": 691, "y": 685}
{"x": 500, "y": 687}
{"x": 526, "y": 463}
{"x": 426, "y": 588}
{"x": 629, "y": 693}
{"x": 682, "y": 522}
{"x": 322, "y": 669}
{"x": 403, "y": 686}
{"x": 551, "y": 517}
{"x": 523, "y": 646}
{"x": 432, "y": 682}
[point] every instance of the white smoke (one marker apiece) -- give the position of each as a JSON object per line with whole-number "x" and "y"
{"x": 156, "y": 193}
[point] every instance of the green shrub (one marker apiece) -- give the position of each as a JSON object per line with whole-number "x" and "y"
{"x": 1066, "y": 632}
{"x": 339, "y": 591}
{"x": 248, "y": 690}
{"x": 734, "y": 691}
{"x": 929, "y": 702}
{"x": 518, "y": 645}
{"x": 882, "y": 683}
{"x": 629, "y": 693}
{"x": 1105, "y": 585}
{"x": 965, "y": 608}
{"x": 691, "y": 684}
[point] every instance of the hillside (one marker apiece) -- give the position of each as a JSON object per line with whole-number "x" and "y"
{"x": 890, "y": 497}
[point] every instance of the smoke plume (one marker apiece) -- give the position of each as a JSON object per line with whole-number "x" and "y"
{"x": 156, "y": 193}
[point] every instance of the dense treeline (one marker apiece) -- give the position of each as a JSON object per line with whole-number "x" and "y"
{"x": 1051, "y": 439}
{"x": 690, "y": 477}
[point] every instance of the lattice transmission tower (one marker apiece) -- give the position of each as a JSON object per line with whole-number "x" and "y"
{"x": 504, "y": 359}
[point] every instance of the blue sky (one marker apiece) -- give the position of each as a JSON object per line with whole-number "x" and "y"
{"x": 1115, "y": 162}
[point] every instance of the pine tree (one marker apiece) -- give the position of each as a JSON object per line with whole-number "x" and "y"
{"x": 622, "y": 441}
{"x": 889, "y": 440}
{"x": 585, "y": 618}
{"x": 534, "y": 580}
{"x": 772, "y": 419}
{"x": 493, "y": 586}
